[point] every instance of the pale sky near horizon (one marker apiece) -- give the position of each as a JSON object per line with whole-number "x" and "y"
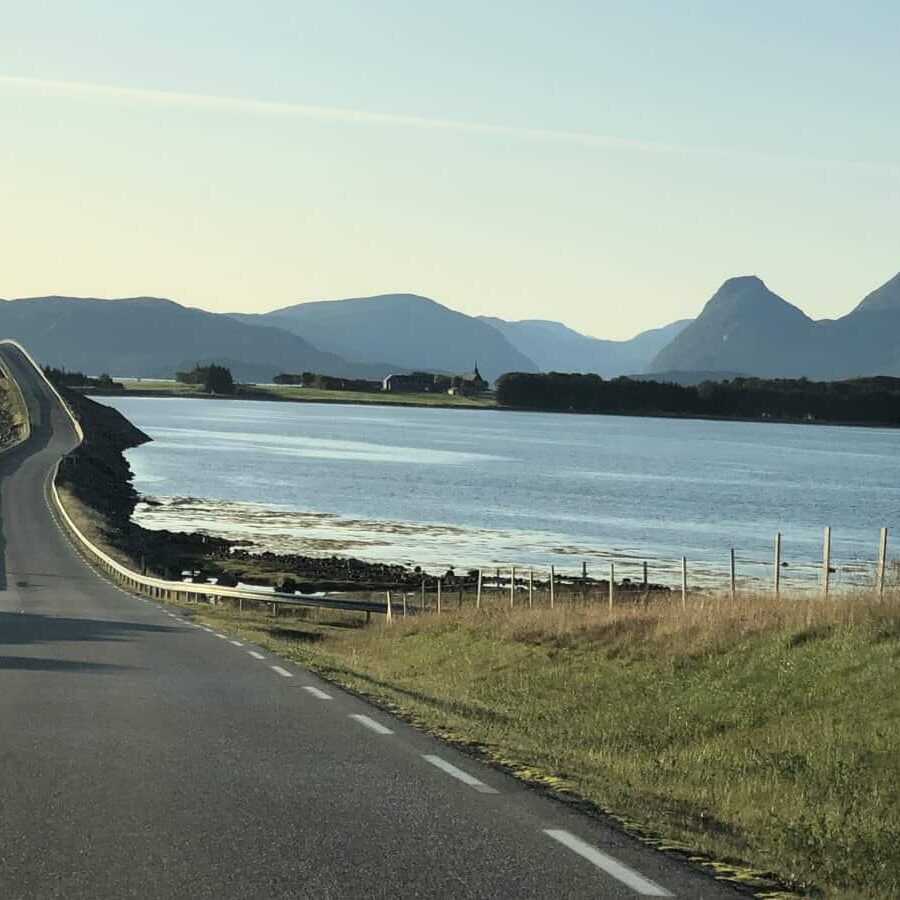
{"x": 604, "y": 164}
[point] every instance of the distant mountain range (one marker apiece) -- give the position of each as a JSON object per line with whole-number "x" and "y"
{"x": 152, "y": 338}
{"x": 556, "y": 348}
{"x": 410, "y": 331}
{"x": 746, "y": 328}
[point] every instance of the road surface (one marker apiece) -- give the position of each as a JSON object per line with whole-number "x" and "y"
{"x": 142, "y": 755}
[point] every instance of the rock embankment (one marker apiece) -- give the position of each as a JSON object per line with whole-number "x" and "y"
{"x": 99, "y": 477}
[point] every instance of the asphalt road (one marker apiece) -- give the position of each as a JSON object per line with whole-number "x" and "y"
{"x": 144, "y": 756}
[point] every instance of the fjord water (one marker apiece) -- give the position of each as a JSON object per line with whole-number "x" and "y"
{"x": 441, "y": 487}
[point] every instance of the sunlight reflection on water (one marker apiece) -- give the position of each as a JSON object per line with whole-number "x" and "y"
{"x": 438, "y": 487}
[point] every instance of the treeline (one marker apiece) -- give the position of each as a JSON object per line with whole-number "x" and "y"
{"x": 64, "y": 378}
{"x": 874, "y": 401}
{"x": 327, "y": 382}
{"x": 212, "y": 379}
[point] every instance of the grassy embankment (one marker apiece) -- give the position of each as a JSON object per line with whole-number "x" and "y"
{"x": 13, "y": 415}
{"x": 765, "y": 732}
{"x": 298, "y": 394}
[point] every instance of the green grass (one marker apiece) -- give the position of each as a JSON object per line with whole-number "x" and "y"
{"x": 312, "y": 395}
{"x": 765, "y": 733}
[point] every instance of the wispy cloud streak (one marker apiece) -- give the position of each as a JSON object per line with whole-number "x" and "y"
{"x": 347, "y": 115}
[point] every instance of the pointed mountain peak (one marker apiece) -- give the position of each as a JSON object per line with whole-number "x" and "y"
{"x": 748, "y": 296}
{"x": 887, "y": 297}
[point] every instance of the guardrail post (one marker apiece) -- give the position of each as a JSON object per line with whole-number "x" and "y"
{"x": 552, "y": 586}
{"x": 512, "y": 587}
{"x": 684, "y": 584}
{"x": 478, "y": 590}
{"x": 439, "y": 595}
{"x": 389, "y": 613}
{"x": 612, "y": 585}
{"x": 826, "y": 559}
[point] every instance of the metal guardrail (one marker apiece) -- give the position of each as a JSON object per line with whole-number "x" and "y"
{"x": 164, "y": 589}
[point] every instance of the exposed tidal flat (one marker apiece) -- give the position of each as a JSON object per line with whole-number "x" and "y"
{"x": 440, "y": 487}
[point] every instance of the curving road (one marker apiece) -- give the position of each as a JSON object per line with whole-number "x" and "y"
{"x": 144, "y": 756}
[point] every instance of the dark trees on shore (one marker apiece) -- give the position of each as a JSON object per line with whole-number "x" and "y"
{"x": 213, "y": 379}
{"x": 873, "y": 400}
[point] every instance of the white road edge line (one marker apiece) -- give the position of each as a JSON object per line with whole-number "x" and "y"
{"x": 221, "y": 636}
{"x": 320, "y": 695}
{"x": 371, "y": 724}
{"x": 256, "y": 655}
{"x": 283, "y": 672}
{"x": 236, "y": 643}
{"x": 464, "y": 777}
{"x": 608, "y": 864}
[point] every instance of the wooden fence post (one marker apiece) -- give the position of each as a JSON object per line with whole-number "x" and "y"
{"x": 882, "y": 562}
{"x": 552, "y": 585}
{"x": 530, "y": 588}
{"x": 404, "y": 604}
{"x": 478, "y": 590}
{"x": 683, "y": 582}
{"x": 439, "y": 596}
{"x": 777, "y": 581}
{"x": 826, "y": 559}
{"x": 612, "y": 584}
{"x": 733, "y": 578}
{"x": 423, "y": 595}
{"x": 512, "y": 587}
{"x": 583, "y": 580}
{"x": 389, "y": 616}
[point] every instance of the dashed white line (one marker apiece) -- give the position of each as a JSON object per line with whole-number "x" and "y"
{"x": 283, "y": 672}
{"x": 372, "y": 725}
{"x": 207, "y": 629}
{"x": 319, "y": 695}
{"x": 222, "y": 636}
{"x": 608, "y": 864}
{"x": 256, "y": 655}
{"x": 236, "y": 643}
{"x": 464, "y": 777}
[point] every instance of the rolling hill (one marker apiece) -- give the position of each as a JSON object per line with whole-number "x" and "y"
{"x": 151, "y": 337}
{"x": 412, "y": 331}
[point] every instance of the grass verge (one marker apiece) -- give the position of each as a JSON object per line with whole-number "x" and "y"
{"x": 762, "y": 733}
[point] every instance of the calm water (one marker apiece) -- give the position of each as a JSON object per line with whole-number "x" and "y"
{"x": 440, "y": 487}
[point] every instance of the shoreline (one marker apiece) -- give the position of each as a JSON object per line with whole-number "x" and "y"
{"x": 482, "y": 407}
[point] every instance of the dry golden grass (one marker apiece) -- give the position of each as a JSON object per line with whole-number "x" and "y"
{"x": 761, "y": 731}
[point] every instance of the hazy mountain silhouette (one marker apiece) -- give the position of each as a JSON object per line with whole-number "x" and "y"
{"x": 554, "y": 347}
{"x": 413, "y": 331}
{"x": 152, "y": 337}
{"x": 745, "y": 327}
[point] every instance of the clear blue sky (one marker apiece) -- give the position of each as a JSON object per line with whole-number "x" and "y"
{"x": 608, "y": 166}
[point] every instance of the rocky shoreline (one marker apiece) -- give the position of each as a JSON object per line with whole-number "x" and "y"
{"x": 100, "y": 478}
